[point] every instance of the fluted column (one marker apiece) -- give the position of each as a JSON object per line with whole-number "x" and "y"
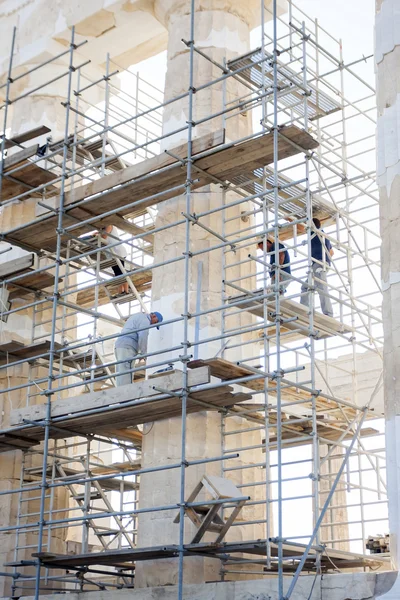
{"x": 387, "y": 55}
{"x": 222, "y": 31}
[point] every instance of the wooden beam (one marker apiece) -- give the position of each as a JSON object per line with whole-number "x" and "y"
{"x": 119, "y": 416}
{"x": 31, "y": 134}
{"x": 324, "y": 326}
{"x": 127, "y": 435}
{"x": 128, "y": 227}
{"x": 30, "y": 284}
{"x": 147, "y": 179}
{"x": 19, "y": 158}
{"x": 26, "y": 353}
{"x": 160, "y": 161}
{"x": 109, "y": 397}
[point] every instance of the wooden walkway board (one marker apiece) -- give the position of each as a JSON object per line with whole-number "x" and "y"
{"x": 116, "y": 415}
{"x": 11, "y": 352}
{"x": 324, "y": 326}
{"x": 31, "y": 283}
{"x": 328, "y": 428}
{"x": 157, "y": 176}
{"x": 26, "y": 136}
{"x": 324, "y": 433}
{"x": 227, "y": 371}
{"x": 329, "y": 559}
{"x": 28, "y": 176}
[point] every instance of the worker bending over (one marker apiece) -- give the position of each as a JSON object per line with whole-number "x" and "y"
{"x": 132, "y": 343}
{"x": 284, "y": 263}
{"x": 321, "y": 253}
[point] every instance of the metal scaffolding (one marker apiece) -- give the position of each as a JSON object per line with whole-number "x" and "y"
{"x": 311, "y": 439}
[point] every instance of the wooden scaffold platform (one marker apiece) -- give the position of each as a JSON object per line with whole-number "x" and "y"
{"x": 156, "y": 179}
{"x": 113, "y": 411}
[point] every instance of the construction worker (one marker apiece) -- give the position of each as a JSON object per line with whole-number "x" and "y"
{"x": 321, "y": 253}
{"x": 110, "y": 236}
{"x": 284, "y": 263}
{"x": 132, "y": 343}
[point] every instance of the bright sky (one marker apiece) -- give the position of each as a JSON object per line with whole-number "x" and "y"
{"x": 351, "y": 20}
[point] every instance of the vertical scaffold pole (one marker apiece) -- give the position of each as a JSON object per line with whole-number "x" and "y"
{"x": 185, "y": 357}
{"x": 309, "y": 213}
{"x": 6, "y": 105}
{"x": 277, "y": 303}
{"x": 49, "y": 392}
{"x": 268, "y": 512}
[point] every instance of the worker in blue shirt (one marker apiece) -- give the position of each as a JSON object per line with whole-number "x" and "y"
{"x": 132, "y": 343}
{"x": 321, "y": 253}
{"x": 284, "y": 263}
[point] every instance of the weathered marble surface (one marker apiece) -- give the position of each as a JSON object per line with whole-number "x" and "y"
{"x": 353, "y": 586}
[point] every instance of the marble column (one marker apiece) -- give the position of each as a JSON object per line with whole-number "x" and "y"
{"x": 387, "y": 56}
{"x": 221, "y": 31}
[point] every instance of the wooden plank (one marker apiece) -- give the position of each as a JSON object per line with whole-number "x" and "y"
{"x": 118, "y": 416}
{"x": 28, "y": 178}
{"x": 12, "y": 267}
{"x": 160, "y": 161}
{"x": 10, "y": 347}
{"x": 227, "y": 371}
{"x": 324, "y": 326}
{"x": 156, "y": 410}
{"x": 117, "y": 467}
{"x": 127, "y": 435}
{"x": 19, "y": 158}
{"x": 219, "y": 163}
{"x": 117, "y": 395}
{"x": 31, "y": 283}
{"x": 256, "y": 152}
{"x": 31, "y": 134}
{"x": 128, "y": 227}
{"x": 27, "y": 352}
{"x": 334, "y": 437}
{"x": 255, "y": 547}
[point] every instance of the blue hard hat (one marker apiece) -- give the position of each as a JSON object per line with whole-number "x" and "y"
{"x": 159, "y": 316}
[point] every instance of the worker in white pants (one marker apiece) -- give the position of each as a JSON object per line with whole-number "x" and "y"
{"x": 110, "y": 235}
{"x": 320, "y": 284}
{"x": 132, "y": 344}
{"x": 318, "y": 249}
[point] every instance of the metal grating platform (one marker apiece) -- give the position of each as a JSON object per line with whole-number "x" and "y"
{"x": 293, "y": 199}
{"x": 319, "y": 103}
